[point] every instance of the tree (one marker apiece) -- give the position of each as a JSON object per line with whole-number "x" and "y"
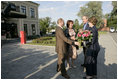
{"x": 47, "y": 22}
{"x": 106, "y": 16}
{"x": 53, "y": 25}
{"x": 44, "y": 24}
{"x": 76, "y": 25}
{"x": 114, "y": 11}
{"x": 92, "y": 8}
{"x": 112, "y": 18}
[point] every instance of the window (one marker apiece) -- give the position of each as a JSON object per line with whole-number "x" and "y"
{"x": 32, "y": 13}
{"x": 25, "y": 29}
{"x": 18, "y": 8}
{"x": 23, "y": 9}
{"x": 33, "y": 29}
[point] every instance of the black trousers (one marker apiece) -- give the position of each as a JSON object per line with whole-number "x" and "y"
{"x": 84, "y": 51}
{"x": 91, "y": 68}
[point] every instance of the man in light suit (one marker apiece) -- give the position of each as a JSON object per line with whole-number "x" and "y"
{"x": 61, "y": 41}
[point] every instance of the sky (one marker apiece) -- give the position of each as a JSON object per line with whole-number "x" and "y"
{"x": 66, "y": 9}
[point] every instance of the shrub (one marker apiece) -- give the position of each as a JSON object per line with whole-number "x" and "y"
{"x": 33, "y": 37}
{"x": 44, "y": 41}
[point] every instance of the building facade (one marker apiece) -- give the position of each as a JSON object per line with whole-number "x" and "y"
{"x": 29, "y": 24}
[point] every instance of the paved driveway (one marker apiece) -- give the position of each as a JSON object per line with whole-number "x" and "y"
{"x": 39, "y": 62}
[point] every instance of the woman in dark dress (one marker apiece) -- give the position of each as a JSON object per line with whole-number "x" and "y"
{"x": 92, "y": 51}
{"x": 71, "y": 49}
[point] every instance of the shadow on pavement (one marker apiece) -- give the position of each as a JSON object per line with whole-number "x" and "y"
{"x": 103, "y": 71}
{"x": 41, "y": 64}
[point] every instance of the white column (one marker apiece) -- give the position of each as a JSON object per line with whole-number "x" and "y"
{"x": 21, "y": 24}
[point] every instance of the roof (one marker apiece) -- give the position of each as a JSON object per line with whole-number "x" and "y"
{"x": 34, "y": 2}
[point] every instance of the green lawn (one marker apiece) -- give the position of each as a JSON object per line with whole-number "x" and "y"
{"x": 102, "y": 32}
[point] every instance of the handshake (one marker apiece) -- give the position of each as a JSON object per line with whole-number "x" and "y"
{"x": 77, "y": 43}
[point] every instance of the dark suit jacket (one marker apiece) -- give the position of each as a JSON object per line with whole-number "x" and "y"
{"x": 95, "y": 44}
{"x": 87, "y": 27}
{"x": 61, "y": 41}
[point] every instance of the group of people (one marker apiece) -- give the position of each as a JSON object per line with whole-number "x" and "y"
{"x": 67, "y": 45}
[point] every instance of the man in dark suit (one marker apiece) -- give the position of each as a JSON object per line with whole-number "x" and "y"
{"x": 85, "y": 27}
{"x": 61, "y": 41}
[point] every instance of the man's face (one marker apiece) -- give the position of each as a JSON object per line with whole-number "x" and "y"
{"x": 84, "y": 19}
{"x": 62, "y": 23}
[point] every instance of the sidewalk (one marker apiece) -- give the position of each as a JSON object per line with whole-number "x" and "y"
{"x": 39, "y": 62}
{"x": 107, "y": 58}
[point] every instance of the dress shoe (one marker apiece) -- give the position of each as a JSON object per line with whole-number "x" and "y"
{"x": 87, "y": 77}
{"x": 83, "y": 65}
{"x": 66, "y": 76}
{"x": 74, "y": 66}
{"x": 58, "y": 70}
{"x": 94, "y": 77}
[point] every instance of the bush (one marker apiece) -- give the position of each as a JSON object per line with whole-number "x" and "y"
{"x": 33, "y": 37}
{"x": 50, "y": 41}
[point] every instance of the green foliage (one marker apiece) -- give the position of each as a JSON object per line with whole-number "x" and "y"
{"x": 81, "y": 26}
{"x": 114, "y": 11}
{"x": 106, "y": 16}
{"x": 76, "y": 25}
{"x": 44, "y": 24}
{"x": 48, "y": 41}
{"x": 64, "y": 28}
{"x": 53, "y": 25}
{"x": 32, "y": 37}
{"x": 102, "y": 32}
{"x": 92, "y": 8}
{"x": 112, "y": 17}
